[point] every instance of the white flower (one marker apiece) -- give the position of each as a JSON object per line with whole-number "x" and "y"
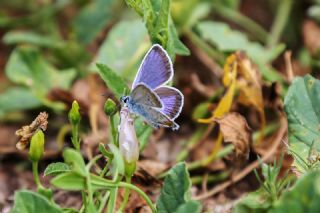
{"x": 128, "y": 142}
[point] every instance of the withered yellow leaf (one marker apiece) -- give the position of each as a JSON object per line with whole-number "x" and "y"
{"x": 229, "y": 80}
{"x": 235, "y": 130}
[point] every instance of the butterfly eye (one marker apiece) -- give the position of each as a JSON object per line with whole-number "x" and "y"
{"x": 124, "y": 99}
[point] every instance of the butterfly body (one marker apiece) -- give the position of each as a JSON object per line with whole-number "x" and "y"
{"x": 158, "y": 104}
{"x": 152, "y": 115}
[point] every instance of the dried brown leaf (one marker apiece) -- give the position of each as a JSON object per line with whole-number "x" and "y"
{"x": 235, "y": 130}
{"x": 249, "y": 82}
{"x": 26, "y": 132}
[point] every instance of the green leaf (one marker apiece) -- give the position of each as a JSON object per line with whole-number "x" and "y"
{"x": 104, "y": 151}
{"x": 69, "y": 181}
{"x": 189, "y": 207}
{"x": 201, "y": 111}
{"x": 31, "y": 202}
{"x": 26, "y": 66}
{"x": 74, "y": 182}
{"x": 29, "y": 37}
{"x": 114, "y": 82}
{"x": 303, "y": 197}
{"x": 69, "y": 210}
{"x": 303, "y": 112}
{"x": 254, "y": 202}
{"x": 177, "y": 45}
{"x": 227, "y": 40}
{"x": 74, "y": 158}
{"x": 56, "y": 168}
{"x": 11, "y": 99}
{"x": 117, "y": 162}
{"x": 176, "y": 189}
{"x": 124, "y": 46}
{"x": 161, "y": 29}
{"x": 93, "y": 18}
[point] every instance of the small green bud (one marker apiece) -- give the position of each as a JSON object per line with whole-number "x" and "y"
{"x": 36, "y": 146}
{"x": 74, "y": 114}
{"x": 110, "y": 107}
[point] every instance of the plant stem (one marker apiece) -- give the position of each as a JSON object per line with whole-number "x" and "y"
{"x": 84, "y": 202}
{"x": 105, "y": 169}
{"x": 103, "y": 201}
{"x": 210, "y": 179}
{"x": 113, "y": 194}
{"x": 36, "y": 174}
{"x": 112, "y": 200}
{"x": 75, "y": 137}
{"x": 114, "y": 131}
{"x": 217, "y": 56}
{"x": 279, "y": 22}
{"x": 140, "y": 192}
{"x": 126, "y": 195}
{"x": 89, "y": 188}
{"x": 248, "y": 24}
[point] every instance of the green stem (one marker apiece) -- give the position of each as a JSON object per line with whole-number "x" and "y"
{"x": 75, "y": 137}
{"x": 84, "y": 202}
{"x": 89, "y": 189}
{"x": 248, "y": 24}
{"x": 103, "y": 201}
{"x": 113, "y": 194}
{"x": 140, "y": 192}
{"x": 126, "y": 195}
{"x": 194, "y": 38}
{"x": 210, "y": 179}
{"x": 105, "y": 169}
{"x": 279, "y": 22}
{"x": 112, "y": 200}
{"x": 114, "y": 131}
{"x": 36, "y": 174}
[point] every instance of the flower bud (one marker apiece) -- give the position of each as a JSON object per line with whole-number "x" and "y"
{"x": 128, "y": 142}
{"x": 36, "y": 146}
{"x": 110, "y": 107}
{"x": 74, "y": 114}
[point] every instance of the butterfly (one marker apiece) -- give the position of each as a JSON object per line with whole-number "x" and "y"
{"x": 150, "y": 97}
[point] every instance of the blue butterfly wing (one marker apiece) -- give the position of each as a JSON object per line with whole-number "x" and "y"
{"x": 156, "y": 68}
{"x": 172, "y": 101}
{"x": 141, "y": 94}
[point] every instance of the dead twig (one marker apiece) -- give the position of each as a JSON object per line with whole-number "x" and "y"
{"x": 207, "y": 61}
{"x": 200, "y": 87}
{"x": 289, "y": 68}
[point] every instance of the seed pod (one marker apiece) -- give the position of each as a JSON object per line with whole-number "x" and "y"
{"x": 36, "y": 146}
